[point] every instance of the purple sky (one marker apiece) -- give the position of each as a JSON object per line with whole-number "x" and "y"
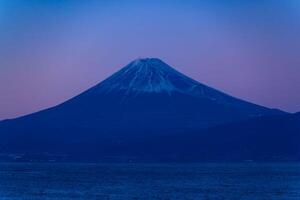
{"x": 51, "y": 50}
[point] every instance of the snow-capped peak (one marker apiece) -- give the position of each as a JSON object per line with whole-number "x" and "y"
{"x": 152, "y": 75}
{"x": 142, "y": 75}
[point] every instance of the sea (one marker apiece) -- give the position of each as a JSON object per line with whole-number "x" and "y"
{"x": 158, "y": 181}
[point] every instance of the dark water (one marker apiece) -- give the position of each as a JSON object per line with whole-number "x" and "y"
{"x": 150, "y": 181}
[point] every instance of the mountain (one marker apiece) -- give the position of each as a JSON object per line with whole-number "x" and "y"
{"x": 145, "y": 99}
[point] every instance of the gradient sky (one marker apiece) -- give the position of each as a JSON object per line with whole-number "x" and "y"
{"x": 51, "y": 50}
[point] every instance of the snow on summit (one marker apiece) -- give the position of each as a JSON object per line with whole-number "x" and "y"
{"x": 142, "y": 75}
{"x": 152, "y": 75}
{"x": 148, "y": 75}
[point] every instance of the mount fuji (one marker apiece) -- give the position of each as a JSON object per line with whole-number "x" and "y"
{"x": 147, "y": 98}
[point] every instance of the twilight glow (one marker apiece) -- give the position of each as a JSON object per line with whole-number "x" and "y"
{"x": 51, "y": 50}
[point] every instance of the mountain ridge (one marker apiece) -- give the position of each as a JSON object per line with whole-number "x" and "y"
{"x": 145, "y": 99}
{"x": 114, "y": 82}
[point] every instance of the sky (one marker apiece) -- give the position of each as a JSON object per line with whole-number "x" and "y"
{"x": 52, "y": 50}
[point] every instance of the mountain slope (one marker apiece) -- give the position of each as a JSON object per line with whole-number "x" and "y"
{"x": 268, "y": 138}
{"x": 146, "y": 98}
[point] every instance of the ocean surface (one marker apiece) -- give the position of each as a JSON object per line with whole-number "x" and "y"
{"x": 64, "y": 181}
